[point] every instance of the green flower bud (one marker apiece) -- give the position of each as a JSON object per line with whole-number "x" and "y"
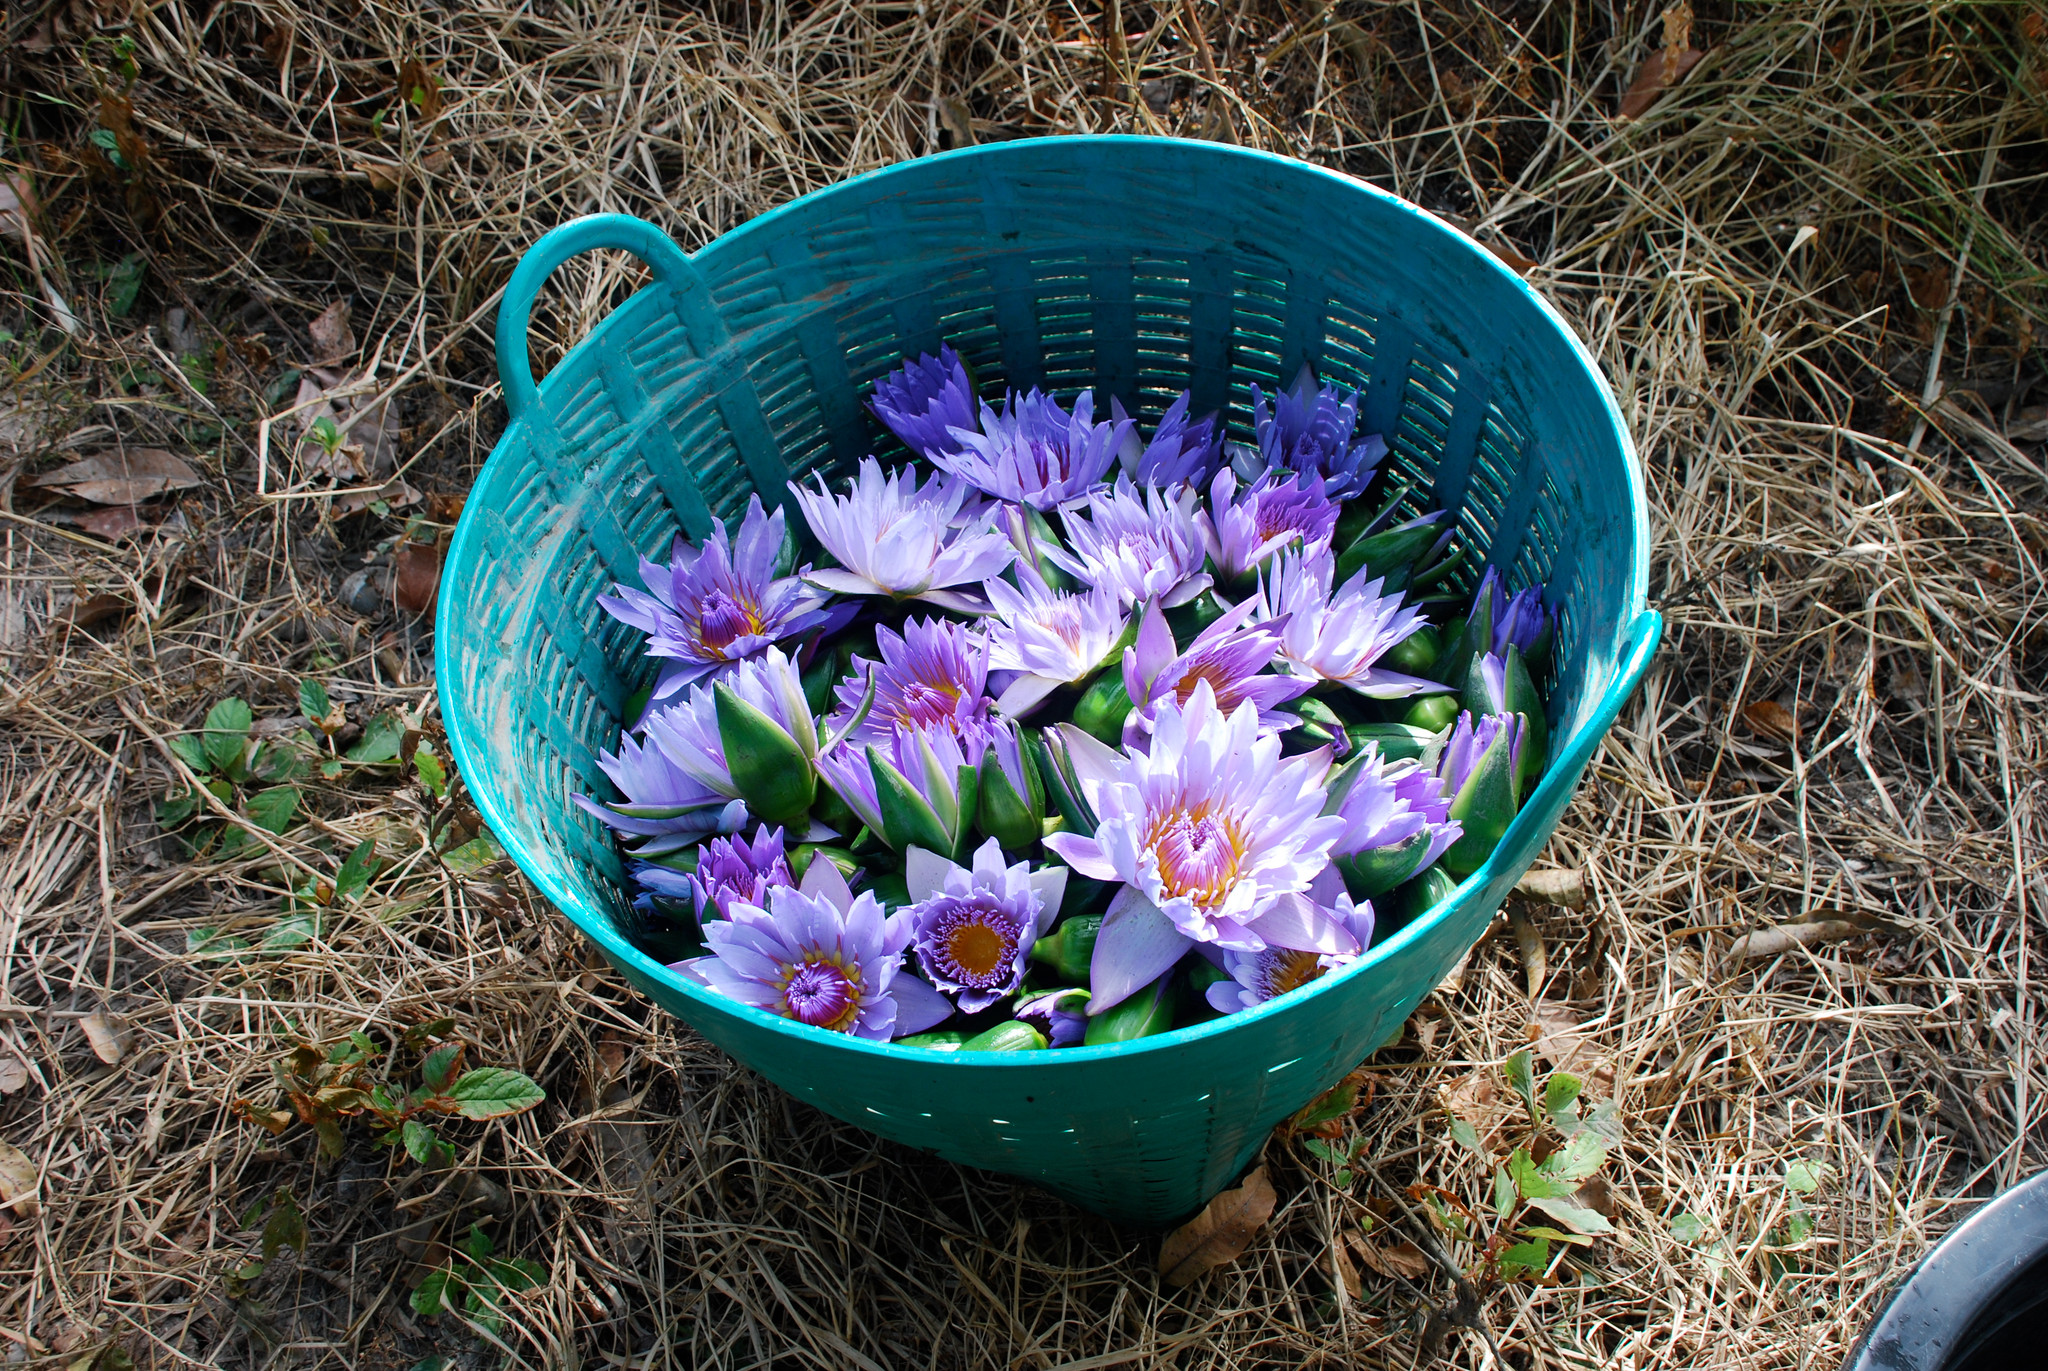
{"x": 1014, "y": 1036}
{"x": 1432, "y": 712}
{"x": 769, "y": 770}
{"x": 1070, "y": 948}
{"x": 1415, "y": 654}
{"x": 1103, "y": 708}
{"x": 944, "y": 1040}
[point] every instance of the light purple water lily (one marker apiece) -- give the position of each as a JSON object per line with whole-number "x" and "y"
{"x": 732, "y": 869}
{"x": 1256, "y": 977}
{"x": 1243, "y": 530}
{"x": 822, "y": 956}
{"x": 893, "y": 537}
{"x": 1063, "y": 1014}
{"x": 1137, "y": 547}
{"x": 1386, "y": 803}
{"x": 665, "y": 803}
{"x": 1226, "y": 656}
{"x": 1052, "y": 639}
{"x": 1182, "y": 451}
{"x": 1521, "y": 619}
{"x": 715, "y": 604}
{"x": 1311, "y": 430}
{"x": 933, "y": 675}
{"x": 1034, "y": 452}
{"x": 1213, "y": 835}
{"x": 1338, "y": 636}
{"x": 922, "y": 402}
{"x": 687, "y": 731}
{"x": 975, "y": 925}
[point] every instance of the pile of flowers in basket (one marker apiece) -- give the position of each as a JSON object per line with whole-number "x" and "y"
{"x": 1074, "y": 733}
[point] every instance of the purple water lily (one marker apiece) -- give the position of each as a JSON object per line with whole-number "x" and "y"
{"x": 1051, "y": 639}
{"x": 1034, "y": 452}
{"x": 1385, "y": 804}
{"x": 1226, "y": 656}
{"x": 1243, "y": 530}
{"x": 665, "y": 803}
{"x": 924, "y": 401}
{"x": 1138, "y": 547}
{"x": 934, "y": 674}
{"x": 1213, "y": 835}
{"x": 732, "y": 869}
{"x": 715, "y": 604}
{"x": 1338, "y": 636}
{"x": 1312, "y": 430}
{"x": 822, "y": 956}
{"x": 1521, "y": 619}
{"x": 687, "y": 731}
{"x": 1256, "y": 977}
{"x": 975, "y": 926}
{"x": 1062, "y": 1013}
{"x": 893, "y": 537}
{"x": 1182, "y": 451}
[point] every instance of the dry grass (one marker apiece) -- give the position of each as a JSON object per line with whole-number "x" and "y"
{"x": 1845, "y": 466}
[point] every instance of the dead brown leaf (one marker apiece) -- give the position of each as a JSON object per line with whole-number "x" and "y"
{"x": 1597, "y": 1194}
{"x": 1403, "y": 1259}
{"x": 1529, "y": 947}
{"x": 96, "y": 609}
{"x": 445, "y": 509}
{"x": 104, "y": 1033}
{"x": 1219, "y": 1233}
{"x": 333, "y": 340}
{"x": 1507, "y": 253}
{"x": 13, "y": 1075}
{"x": 17, "y": 1181}
{"x": 420, "y": 88}
{"x": 1344, "y": 1269}
{"x": 1770, "y": 719}
{"x": 112, "y": 523}
{"x": 17, "y": 204}
{"x": 122, "y": 478}
{"x": 369, "y": 446}
{"x": 418, "y": 579}
{"x": 396, "y": 495}
{"x": 1564, "y": 886}
{"x": 1668, "y": 67}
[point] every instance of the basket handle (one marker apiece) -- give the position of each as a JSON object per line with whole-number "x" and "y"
{"x": 671, "y": 266}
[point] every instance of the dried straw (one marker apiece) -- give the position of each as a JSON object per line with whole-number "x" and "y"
{"x": 1813, "y": 271}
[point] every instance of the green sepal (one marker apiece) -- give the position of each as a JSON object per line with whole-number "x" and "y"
{"x": 1485, "y": 807}
{"x": 1421, "y": 894}
{"x": 1062, "y": 791}
{"x": 1396, "y": 742}
{"x": 1013, "y": 1036}
{"x": 1368, "y": 875}
{"x": 1016, "y": 821}
{"x": 1148, "y": 1012}
{"x": 1070, "y": 948}
{"x": 967, "y": 786}
{"x": 769, "y": 770}
{"x": 907, "y": 817}
{"x": 1518, "y": 696}
{"x": 1386, "y": 551}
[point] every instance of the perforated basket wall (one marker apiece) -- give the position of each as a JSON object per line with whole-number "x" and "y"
{"x": 1138, "y": 266}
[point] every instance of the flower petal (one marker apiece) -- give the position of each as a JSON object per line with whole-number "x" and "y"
{"x": 1135, "y": 947}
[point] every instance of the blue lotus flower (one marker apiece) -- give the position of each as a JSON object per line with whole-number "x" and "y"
{"x": 1311, "y": 430}
{"x": 924, "y": 401}
{"x": 1033, "y": 452}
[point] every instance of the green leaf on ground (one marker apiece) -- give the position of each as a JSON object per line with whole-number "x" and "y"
{"x": 124, "y": 282}
{"x": 438, "y": 1065}
{"x": 430, "y": 1298}
{"x": 227, "y": 731}
{"x": 1525, "y": 1259}
{"x": 1807, "y": 1176}
{"x": 1688, "y": 1228}
{"x": 474, "y": 855}
{"x": 271, "y": 810}
{"x": 1573, "y": 1216}
{"x": 492, "y": 1092}
{"x": 286, "y": 1226}
{"x": 432, "y": 774}
{"x": 191, "y": 752}
{"x": 355, "y": 873}
{"x": 380, "y": 740}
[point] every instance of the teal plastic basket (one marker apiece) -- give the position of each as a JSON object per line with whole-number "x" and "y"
{"x": 1136, "y": 265}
